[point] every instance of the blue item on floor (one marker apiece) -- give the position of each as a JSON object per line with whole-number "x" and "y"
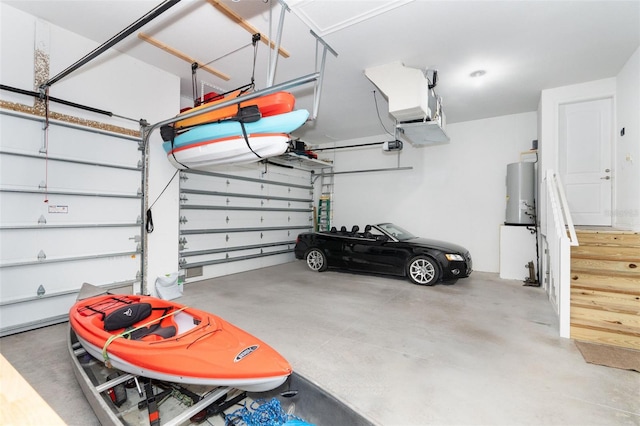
{"x": 264, "y": 413}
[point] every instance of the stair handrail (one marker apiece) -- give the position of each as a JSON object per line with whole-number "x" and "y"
{"x": 564, "y": 217}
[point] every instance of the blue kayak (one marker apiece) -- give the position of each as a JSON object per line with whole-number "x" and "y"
{"x": 281, "y": 123}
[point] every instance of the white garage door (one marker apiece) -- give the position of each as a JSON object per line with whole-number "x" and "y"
{"x": 242, "y": 219}
{"x": 70, "y": 212}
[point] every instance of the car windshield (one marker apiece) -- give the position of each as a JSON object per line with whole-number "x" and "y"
{"x": 396, "y": 232}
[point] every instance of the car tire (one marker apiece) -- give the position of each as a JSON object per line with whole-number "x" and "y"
{"x": 316, "y": 260}
{"x": 423, "y": 270}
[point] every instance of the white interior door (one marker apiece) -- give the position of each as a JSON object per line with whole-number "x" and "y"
{"x": 584, "y": 142}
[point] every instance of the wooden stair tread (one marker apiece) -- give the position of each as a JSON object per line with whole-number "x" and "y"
{"x": 605, "y": 287}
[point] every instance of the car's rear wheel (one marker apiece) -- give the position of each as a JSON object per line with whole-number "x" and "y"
{"x": 316, "y": 260}
{"x": 423, "y": 270}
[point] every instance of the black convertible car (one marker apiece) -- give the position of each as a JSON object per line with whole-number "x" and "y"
{"x": 387, "y": 249}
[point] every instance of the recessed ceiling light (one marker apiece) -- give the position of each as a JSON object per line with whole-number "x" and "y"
{"x": 477, "y": 73}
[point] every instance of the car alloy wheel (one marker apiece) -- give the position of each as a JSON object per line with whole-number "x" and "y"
{"x": 316, "y": 260}
{"x": 423, "y": 271}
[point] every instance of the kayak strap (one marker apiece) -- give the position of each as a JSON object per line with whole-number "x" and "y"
{"x": 248, "y": 114}
{"x": 127, "y": 333}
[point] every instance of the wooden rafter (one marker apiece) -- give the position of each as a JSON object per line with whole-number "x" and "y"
{"x": 184, "y": 57}
{"x": 246, "y": 25}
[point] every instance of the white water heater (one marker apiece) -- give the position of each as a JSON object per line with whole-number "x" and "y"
{"x": 520, "y": 194}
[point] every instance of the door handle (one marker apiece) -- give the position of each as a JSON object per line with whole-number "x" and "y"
{"x": 606, "y": 177}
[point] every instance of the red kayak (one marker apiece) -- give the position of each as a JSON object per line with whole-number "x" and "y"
{"x": 269, "y": 105}
{"x": 164, "y": 340}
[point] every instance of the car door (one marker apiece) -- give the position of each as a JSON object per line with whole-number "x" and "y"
{"x": 376, "y": 254}
{"x": 332, "y": 246}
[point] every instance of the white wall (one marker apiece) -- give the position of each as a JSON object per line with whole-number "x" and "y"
{"x": 627, "y": 153}
{"x": 113, "y": 82}
{"x": 455, "y": 192}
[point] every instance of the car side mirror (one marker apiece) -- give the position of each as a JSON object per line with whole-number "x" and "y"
{"x": 382, "y": 238}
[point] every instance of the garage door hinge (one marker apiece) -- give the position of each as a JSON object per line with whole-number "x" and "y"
{"x": 228, "y": 201}
{"x": 183, "y": 220}
{"x": 226, "y": 237}
{"x": 182, "y": 243}
{"x": 139, "y": 248}
{"x": 261, "y": 203}
{"x": 183, "y": 198}
{"x": 227, "y": 219}
{"x": 183, "y": 176}
{"x": 141, "y": 146}
{"x": 42, "y": 220}
{"x": 228, "y": 183}
{"x": 41, "y": 291}
{"x": 226, "y": 256}
{"x": 41, "y": 255}
{"x": 288, "y": 218}
{"x": 262, "y": 187}
{"x": 138, "y": 275}
{"x": 261, "y": 235}
{"x": 182, "y": 262}
{"x": 261, "y": 219}
{"x": 139, "y": 165}
{"x": 139, "y": 220}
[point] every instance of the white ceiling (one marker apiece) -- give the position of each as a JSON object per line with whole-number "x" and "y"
{"x": 525, "y": 46}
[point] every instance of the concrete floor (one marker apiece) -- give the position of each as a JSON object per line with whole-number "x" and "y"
{"x": 483, "y": 351}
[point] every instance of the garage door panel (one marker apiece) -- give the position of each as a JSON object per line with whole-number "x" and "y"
{"x": 45, "y": 311}
{"x": 67, "y": 142}
{"x": 27, "y": 244}
{"x": 204, "y": 241}
{"x": 19, "y": 134}
{"x": 65, "y": 209}
{"x": 32, "y": 173}
{"x": 19, "y": 282}
{"x": 203, "y": 219}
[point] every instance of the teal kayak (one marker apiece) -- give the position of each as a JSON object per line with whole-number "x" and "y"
{"x": 281, "y": 123}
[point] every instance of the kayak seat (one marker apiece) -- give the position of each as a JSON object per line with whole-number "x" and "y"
{"x": 127, "y": 316}
{"x": 154, "y": 332}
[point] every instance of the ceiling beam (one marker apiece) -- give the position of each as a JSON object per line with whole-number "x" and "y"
{"x": 246, "y": 25}
{"x": 184, "y": 57}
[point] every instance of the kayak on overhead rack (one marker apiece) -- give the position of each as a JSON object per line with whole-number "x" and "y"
{"x": 164, "y": 340}
{"x": 232, "y": 141}
{"x": 229, "y": 150}
{"x": 272, "y": 104}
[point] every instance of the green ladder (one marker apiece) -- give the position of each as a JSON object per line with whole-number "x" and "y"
{"x": 324, "y": 213}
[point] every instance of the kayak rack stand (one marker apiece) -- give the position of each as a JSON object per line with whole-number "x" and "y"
{"x": 110, "y": 418}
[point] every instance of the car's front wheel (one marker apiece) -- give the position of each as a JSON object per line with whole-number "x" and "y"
{"x": 316, "y": 260}
{"x": 423, "y": 270}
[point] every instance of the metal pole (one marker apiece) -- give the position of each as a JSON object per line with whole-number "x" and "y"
{"x": 154, "y": 13}
{"x": 318, "y": 88}
{"x": 274, "y": 53}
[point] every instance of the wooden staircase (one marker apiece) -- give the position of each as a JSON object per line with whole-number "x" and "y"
{"x": 605, "y": 288}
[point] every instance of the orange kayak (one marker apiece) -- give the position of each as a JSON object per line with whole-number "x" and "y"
{"x": 272, "y": 104}
{"x": 164, "y": 340}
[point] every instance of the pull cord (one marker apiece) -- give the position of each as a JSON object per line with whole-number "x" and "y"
{"x": 149, "y": 223}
